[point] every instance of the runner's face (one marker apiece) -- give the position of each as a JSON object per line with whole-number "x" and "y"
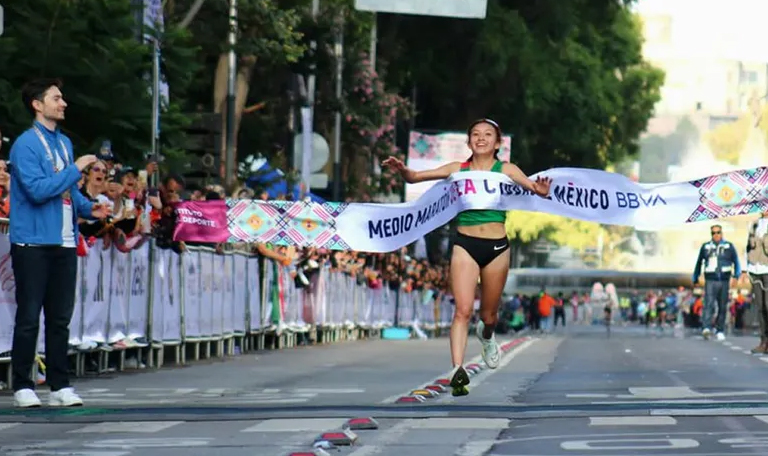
{"x": 717, "y": 234}
{"x": 483, "y": 139}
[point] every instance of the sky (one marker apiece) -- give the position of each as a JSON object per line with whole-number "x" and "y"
{"x": 732, "y": 29}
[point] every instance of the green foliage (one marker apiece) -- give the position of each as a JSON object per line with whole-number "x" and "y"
{"x": 370, "y": 114}
{"x": 566, "y": 78}
{"x": 93, "y": 47}
{"x": 526, "y": 227}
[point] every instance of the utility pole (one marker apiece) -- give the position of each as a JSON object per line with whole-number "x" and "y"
{"x": 155, "y": 144}
{"x": 231, "y": 78}
{"x": 339, "y": 52}
{"x": 308, "y": 116}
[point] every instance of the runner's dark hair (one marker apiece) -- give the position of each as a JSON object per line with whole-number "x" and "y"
{"x": 495, "y": 127}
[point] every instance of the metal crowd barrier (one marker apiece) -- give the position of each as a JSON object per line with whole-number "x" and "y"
{"x": 152, "y": 302}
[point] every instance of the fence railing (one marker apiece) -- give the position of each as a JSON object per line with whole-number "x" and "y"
{"x": 202, "y": 303}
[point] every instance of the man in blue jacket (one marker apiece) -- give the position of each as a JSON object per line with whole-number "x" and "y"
{"x": 45, "y": 205}
{"x": 720, "y": 262}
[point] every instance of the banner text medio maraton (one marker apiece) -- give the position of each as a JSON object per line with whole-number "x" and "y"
{"x": 569, "y": 195}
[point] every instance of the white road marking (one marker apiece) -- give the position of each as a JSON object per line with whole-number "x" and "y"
{"x": 216, "y": 391}
{"x": 67, "y": 453}
{"x": 483, "y": 375}
{"x": 743, "y": 411}
{"x": 632, "y": 421}
{"x": 393, "y": 399}
{"x": 679, "y": 392}
{"x": 746, "y": 442}
{"x": 328, "y": 390}
{"x": 764, "y": 359}
{"x": 384, "y": 439}
{"x": 479, "y": 448}
{"x": 273, "y": 401}
{"x": 763, "y": 418}
{"x": 461, "y": 423}
{"x": 161, "y": 442}
{"x": 117, "y": 427}
{"x": 476, "y": 360}
{"x": 4, "y": 426}
{"x": 588, "y": 396}
{"x": 629, "y": 444}
{"x": 297, "y": 425}
{"x": 736, "y": 348}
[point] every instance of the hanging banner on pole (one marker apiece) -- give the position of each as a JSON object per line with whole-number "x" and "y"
{"x": 463, "y": 9}
{"x": 430, "y": 150}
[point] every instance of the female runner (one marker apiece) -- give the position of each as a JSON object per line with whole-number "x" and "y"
{"x": 479, "y": 250}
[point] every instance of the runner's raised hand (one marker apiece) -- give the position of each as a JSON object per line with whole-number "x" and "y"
{"x": 542, "y": 185}
{"x": 398, "y": 166}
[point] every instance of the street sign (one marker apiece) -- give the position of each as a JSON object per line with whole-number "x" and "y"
{"x": 468, "y": 9}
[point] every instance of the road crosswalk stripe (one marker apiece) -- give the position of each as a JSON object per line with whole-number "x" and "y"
{"x": 461, "y": 423}
{"x": 319, "y": 425}
{"x": 632, "y": 421}
{"x": 297, "y": 425}
{"x": 117, "y": 427}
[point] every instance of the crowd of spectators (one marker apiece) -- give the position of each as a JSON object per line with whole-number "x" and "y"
{"x": 141, "y": 211}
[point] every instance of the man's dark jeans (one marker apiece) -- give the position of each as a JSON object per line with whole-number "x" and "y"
{"x": 715, "y": 298}
{"x": 45, "y": 280}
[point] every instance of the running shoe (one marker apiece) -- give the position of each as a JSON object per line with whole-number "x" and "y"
{"x": 491, "y": 354}
{"x": 459, "y": 381}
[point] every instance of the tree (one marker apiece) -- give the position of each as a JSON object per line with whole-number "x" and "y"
{"x": 267, "y": 35}
{"x": 525, "y": 227}
{"x": 566, "y": 78}
{"x": 93, "y": 47}
{"x": 731, "y": 140}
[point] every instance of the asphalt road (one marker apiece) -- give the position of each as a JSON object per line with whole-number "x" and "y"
{"x": 575, "y": 392}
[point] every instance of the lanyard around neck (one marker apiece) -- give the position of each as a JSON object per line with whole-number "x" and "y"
{"x": 49, "y": 153}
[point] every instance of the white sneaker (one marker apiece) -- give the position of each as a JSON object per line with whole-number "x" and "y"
{"x": 491, "y": 353}
{"x": 706, "y": 333}
{"x": 64, "y": 397}
{"x": 720, "y": 336}
{"x": 26, "y": 398}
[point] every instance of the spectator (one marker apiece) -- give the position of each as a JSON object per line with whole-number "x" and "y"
{"x": 757, "y": 267}
{"x": 45, "y": 202}
{"x": 93, "y": 189}
{"x": 164, "y": 219}
{"x": 5, "y": 190}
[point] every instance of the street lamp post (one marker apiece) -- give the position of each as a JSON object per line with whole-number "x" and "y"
{"x": 229, "y": 176}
